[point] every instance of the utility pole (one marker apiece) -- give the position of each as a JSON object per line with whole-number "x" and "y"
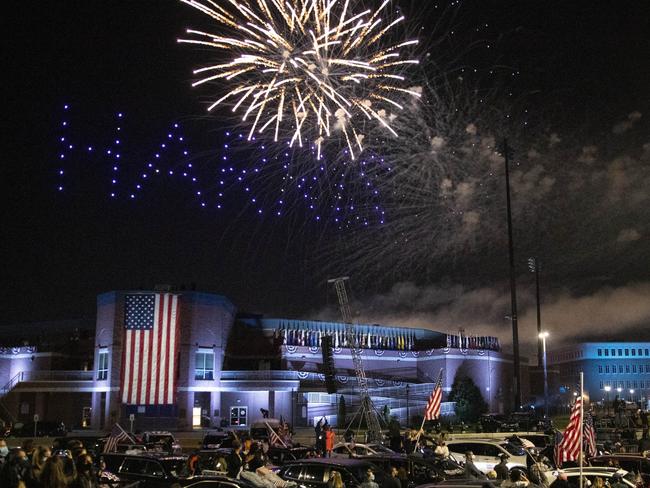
{"x": 534, "y": 265}
{"x": 513, "y": 283}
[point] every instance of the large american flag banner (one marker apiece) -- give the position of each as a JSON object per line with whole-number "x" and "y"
{"x": 151, "y": 336}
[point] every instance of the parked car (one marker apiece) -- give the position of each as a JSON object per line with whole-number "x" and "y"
{"x": 634, "y": 463}
{"x": 217, "y": 439}
{"x": 316, "y": 473}
{"x": 159, "y": 440}
{"x": 487, "y": 453}
{"x": 590, "y": 473}
{"x": 150, "y": 470}
{"x": 420, "y": 470}
{"x": 462, "y": 483}
{"x": 38, "y": 429}
{"x": 280, "y": 455}
{"x": 216, "y": 482}
{"x": 491, "y": 422}
{"x": 351, "y": 449}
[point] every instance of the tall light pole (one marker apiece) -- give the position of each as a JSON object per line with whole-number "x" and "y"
{"x": 534, "y": 266}
{"x": 543, "y": 336}
{"x": 513, "y": 282}
{"x": 607, "y": 390}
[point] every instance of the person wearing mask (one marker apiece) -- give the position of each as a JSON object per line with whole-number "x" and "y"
{"x": 234, "y": 461}
{"x": 644, "y": 442}
{"x": 4, "y": 452}
{"x": 318, "y": 431}
{"x": 369, "y": 480}
{"x": 15, "y": 470}
{"x": 502, "y": 468}
{"x": 86, "y": 475}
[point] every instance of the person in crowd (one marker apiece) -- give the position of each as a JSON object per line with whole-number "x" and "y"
{"x": 502, "y": 468}
{"x": 471, "y": 471}
{"x": 392, "y": 481}
{"x": 234, "y": 461}
{"x": 403, "y": 477}
{"x": 617, "y": 481}
{"x": 330, "y": 439}
{"x": 86, "y": 474}
{"x": 39, "y": 458}
{"x": 561, "y": 481}
{"x": 598, "y": 482}
{"x": 336, "y": 481}
{"x": 15, "y": 470}
{"x": 348, "y": 435}
{"x": 491, "y": 475}
{"x": 318, "y": 431}
{"x": 644, "y": 442}
{"x": 54, "y": 475}
{"x": 193, "y": 467}
{"x": 516, "y": 479}
{"x": 369, "y": 480}
{"x": 536, "y": 472}
{"x": 441, "y": 451}
{"x": 4, "y": 452}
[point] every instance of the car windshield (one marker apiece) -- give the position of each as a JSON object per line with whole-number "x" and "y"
{"x": 213, "y": 439}
{"x": 174, "y": 466}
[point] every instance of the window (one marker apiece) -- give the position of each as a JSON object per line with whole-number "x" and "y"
{"x": 629, "y": 385}
{"x": 600, "y": 368}
{"x": 204, "y": 365}
{"x": 293, "y": 472}
{"x": 314, "y": 473}
{"x": 633, "y": 352}
{"x": 607, "y": 369}
{"x": 600, "y": 352}
{"x": 634, "y": 368}
{"x": 102, "y": 365}
{"x": 635, "y": 384}
{"x": 606, "y": 352}
{"x": 646, "y": 352}
{"x": 238, "y": 416}
{"x": 627, "y": 368}
{"x": 613, "y": 352}
{"x": 620, "y": 368}
{"x": 601, "y": 385}
{"x": 620, "y": 352}
{"x": 627, "y": 352}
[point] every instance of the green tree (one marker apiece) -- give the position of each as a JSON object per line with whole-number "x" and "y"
{"x": 342, "y": 413}
{"x": 469, "y": 401}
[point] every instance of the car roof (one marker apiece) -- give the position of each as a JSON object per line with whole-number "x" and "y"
{"x": 148, "y": 455}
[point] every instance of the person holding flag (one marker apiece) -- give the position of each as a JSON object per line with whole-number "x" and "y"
{"x": 432, "y": 409}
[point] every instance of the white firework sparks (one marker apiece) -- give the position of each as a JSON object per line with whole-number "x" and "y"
{"x": 306, "y": 68}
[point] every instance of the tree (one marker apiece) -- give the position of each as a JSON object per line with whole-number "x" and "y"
{"x": 469, "y": 401}
{"x": 342, "y": 412}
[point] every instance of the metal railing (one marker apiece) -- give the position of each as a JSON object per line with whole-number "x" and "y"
{"x": 11, "y": 384}
{"x": 259, "y": 375}
{"x": 55, "y": 375}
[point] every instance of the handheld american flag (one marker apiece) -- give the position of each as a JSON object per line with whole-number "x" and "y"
{"x": 590, "y": 435}
{"x": 150, "y": 347}
{"x": 569, "y": 447}
{"x": 118, "y": 435}
{"x": 432, "y": 410}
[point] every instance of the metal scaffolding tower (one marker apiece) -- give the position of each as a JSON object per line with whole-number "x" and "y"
{"x": 367, "y": 409}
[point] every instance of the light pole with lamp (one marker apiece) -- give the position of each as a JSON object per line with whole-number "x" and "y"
{"x": 543, "y": 336}
{"x": 631, "y": 395}
{"x": 607, "y": 390}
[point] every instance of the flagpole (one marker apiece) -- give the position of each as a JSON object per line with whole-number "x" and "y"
{"x": 582, "y": 429}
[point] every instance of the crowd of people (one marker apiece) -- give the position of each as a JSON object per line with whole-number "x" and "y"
{"x": 39, "y": 467}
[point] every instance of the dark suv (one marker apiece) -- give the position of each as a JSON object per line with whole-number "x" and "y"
{"x": 150, "y": 471}
{"x": 316, "y": 473}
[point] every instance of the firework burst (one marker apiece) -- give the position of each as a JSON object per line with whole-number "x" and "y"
{"x": 306, "y": 69}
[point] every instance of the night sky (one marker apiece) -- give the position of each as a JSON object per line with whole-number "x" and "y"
{"x": 581, "y": 66}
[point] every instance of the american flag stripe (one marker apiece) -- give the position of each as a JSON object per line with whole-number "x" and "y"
{"x": 151, "y": 342}
{"x": 569, "y": 447}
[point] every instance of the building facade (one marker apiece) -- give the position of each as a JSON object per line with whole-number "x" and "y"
{"x": 610, "y": 369}
{"x": 229, "y": 367}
